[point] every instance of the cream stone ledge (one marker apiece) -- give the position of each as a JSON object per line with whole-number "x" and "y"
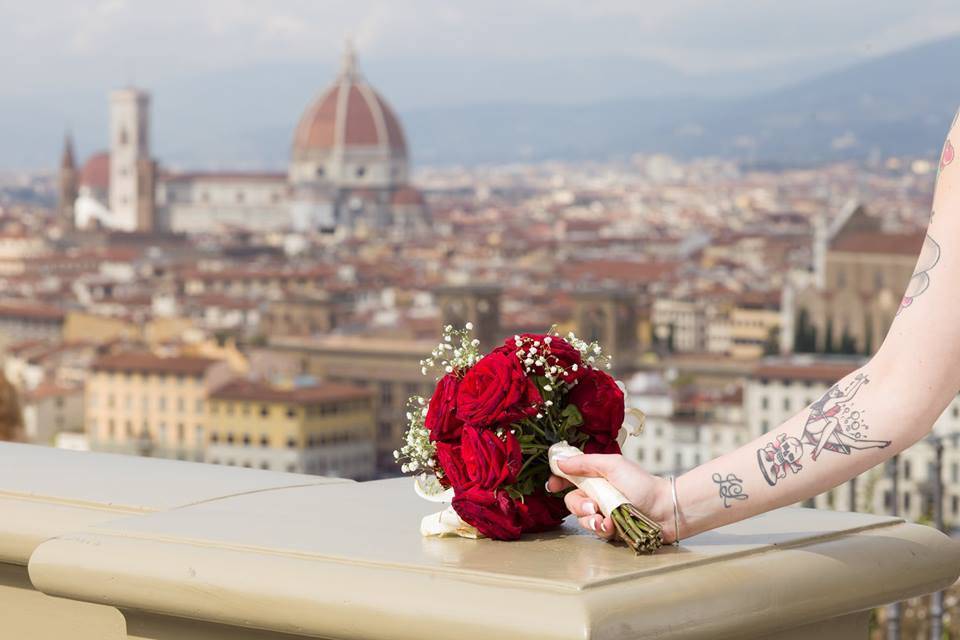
{"x": 292, "y": 556}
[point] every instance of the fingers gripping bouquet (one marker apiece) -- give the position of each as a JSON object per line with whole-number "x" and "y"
{"x": 495, "y": 426}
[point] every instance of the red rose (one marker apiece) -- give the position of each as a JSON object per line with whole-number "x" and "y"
{"x": 558, "y": 352}
{"x": 493, "y": 513}
{"x": 442, "y": 421}
{"x": 592, "y": 446}
{"x": 496, "y": 392}
{"x": 454, "y": 470}
{"x": 600, "y": 402}
{"x": 490, "y": 461}
{"x": 541, "y": 512}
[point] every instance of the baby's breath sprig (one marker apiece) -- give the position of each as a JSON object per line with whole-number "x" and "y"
{"x": 417, "y": 454}
{"x": 591, "y": 352}
{"x": 458, "y": 352}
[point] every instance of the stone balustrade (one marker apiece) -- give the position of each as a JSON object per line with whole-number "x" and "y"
{"x": 108, "y": 547}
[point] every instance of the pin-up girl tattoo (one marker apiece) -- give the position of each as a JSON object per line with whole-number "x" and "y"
{"x": 833, "y": 424}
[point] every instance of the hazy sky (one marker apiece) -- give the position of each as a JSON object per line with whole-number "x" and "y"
{"x": 225, "y": 73}
{"x": 76, "y": 43}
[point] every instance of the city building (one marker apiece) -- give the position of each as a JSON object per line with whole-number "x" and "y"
{"x": 349, "y": 171}
{"x": 390, "y": 368}
{"x": 51, "y": 409}
{"x": 145, "y": 404}
{"x": 350, "y": 163}
{"x": 860, "y": 274}
{"x": 326, "y": 429}
{"x": 118, "y": 189}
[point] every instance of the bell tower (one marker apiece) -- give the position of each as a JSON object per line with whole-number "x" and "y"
{"x": 67, "y": 188}
{"x": 132, "y": 171}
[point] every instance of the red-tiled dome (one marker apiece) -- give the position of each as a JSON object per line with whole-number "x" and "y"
{"x": 407, "y": 196}
{"x": 96, "y": 171}
{"x": 348, "y": 114}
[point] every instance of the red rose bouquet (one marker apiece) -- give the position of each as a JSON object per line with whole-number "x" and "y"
{"x": 495, "y": 425}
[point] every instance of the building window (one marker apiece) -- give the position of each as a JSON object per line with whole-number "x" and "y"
{"x": 764, "y": 402}
{"x": 786, "y": 404}
{"x": 657, "y": 456}
{"x": 181, "y": 432}
{"x": 291, "y": 412}
{"x": 906, "y": 469}
{"x": 640, "y": 454}
{"x": 264, "y": 440}
{"x": 230, "y": 438}
{"x": 199, "y": 405}
{"x": 291, "y": 443}
{"x": 291, "y": 468}
{"x": 906, "y": 501}
{"x": 214, "y": 438}
{"x": 264, "y": 411}
{"x": 955, "y": 504}
{"x": 246, "y": 439}
{"x": 361, "y": 171}
{"x": 955, "y": 472}
{"x": 198, "y": 433}
{"x": 265, "y": 465}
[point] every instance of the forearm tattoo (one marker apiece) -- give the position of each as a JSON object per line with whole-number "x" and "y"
{"x": 731, "y": 488}
{"x": 946, "y": 156}
{"x": 833, "y": 424}
{"x": 920, "y": 280}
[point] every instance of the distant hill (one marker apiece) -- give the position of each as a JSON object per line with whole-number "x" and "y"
{"x": 899, "y": 103}
{"x": 497, "y": 110}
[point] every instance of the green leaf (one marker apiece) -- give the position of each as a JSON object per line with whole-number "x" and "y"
{"x": 571, "y": 415}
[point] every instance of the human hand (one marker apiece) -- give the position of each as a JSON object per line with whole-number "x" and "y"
{"x": 648, "y": 493}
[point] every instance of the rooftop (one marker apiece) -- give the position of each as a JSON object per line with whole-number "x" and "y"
{"x": 254, "y": 391}
{"x": 143, "y": 362}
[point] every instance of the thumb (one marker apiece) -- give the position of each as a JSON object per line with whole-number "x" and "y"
{"x": 590, "y": 465}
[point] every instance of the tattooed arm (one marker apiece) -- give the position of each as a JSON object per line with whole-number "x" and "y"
{"x": 864, "y": 419}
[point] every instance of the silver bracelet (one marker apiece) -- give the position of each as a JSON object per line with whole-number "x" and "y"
{"x": 676, "y": 511}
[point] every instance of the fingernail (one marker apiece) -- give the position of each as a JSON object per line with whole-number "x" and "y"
{"x": 593, "y": 524}
{"x": 603, "y": 525}
{"x": 546, "y": 486}
{"x": 589, "y": 507}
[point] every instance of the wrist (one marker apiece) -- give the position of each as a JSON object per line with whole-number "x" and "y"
{"x": 662, "y": 509}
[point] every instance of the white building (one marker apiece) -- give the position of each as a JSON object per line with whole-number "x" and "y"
{"x": 674, "y": 439}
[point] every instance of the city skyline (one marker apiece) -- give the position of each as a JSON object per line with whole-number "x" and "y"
{"x": 238, "y": 79}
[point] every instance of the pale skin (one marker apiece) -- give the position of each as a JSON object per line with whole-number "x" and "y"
{"x": 865, "y": 419}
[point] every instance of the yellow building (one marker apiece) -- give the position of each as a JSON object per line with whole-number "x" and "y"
{"x": 327, "y": 429}
{"x": 99, "y": 328}
{"x": 388, "y": 367}
{"x": 150, "y": 405}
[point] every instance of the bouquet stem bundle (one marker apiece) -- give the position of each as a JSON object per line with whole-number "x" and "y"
{"x": 638, "y": 531}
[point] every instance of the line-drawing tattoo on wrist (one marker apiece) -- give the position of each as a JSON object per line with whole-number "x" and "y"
{"x": 731, "y": 488}
{"x": 833, "y": 424}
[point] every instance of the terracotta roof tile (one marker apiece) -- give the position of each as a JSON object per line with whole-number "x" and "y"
{"x": 144, "y": 362}
{"x": 255, "y": 391}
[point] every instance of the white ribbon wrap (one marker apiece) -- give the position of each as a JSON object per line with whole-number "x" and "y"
{"x": 447, "y": 523}
{"x": 602, "y": 492}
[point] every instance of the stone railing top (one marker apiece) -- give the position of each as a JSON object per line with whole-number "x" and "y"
{"x": 347, "y": 561}
{"x": 46, "y": 491}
